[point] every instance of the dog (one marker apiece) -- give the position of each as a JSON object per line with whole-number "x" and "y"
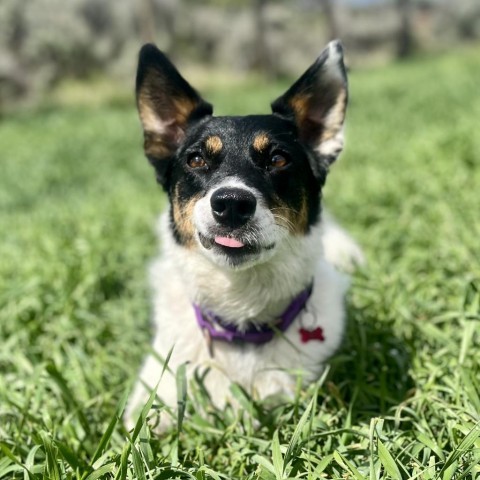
{"x": 246, "y": 288}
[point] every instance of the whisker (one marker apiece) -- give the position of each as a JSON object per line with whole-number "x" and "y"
{"x": 284, "y": 222}
{"x": 296, "y": 212}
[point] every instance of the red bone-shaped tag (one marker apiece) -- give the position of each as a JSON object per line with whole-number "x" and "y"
{"x": 307, "y": 335}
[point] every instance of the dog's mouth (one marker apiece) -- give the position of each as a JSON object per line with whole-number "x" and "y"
{"x": 233, "y": 246}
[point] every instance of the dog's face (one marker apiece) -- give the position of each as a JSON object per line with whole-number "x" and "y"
{"x": 240, "y": 187}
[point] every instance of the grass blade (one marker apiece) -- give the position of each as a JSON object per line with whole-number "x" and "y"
{"x": 181, "y": 379}
{"x": 51, "y": 465}
{"x": 138, "y": 465}
{"x": 347, "y": 466}
{"x": 101, "y": 472}
{"x": 67, "y": 395}
{"x": 387, "y": 461}
{"x": 262, "y": 461}
{"x": 465, "y": 445}
{"x": 277, "y": 458}
{"x": 295, "y": 439}
{"x": 102, "y": 445}
{"x": 10, "y": 456}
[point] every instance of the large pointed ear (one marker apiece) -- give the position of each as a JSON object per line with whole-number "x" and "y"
{"x": 166, "y": 104}
{"x": 317, "y": 101}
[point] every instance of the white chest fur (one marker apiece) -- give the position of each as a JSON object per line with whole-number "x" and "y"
{"x": 179, "y": 277}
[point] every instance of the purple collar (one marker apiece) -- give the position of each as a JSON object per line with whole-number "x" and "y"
{"x": 209, "y": 323}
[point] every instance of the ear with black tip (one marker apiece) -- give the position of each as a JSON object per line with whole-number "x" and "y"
{"x": 317, "y": 101}
{"x": 166, "y": 103}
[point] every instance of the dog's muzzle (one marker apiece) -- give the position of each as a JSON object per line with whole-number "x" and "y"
{"x": 233, "y": 207}
{"x": 234, "y": 227}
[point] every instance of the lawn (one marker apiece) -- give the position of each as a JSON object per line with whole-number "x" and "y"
{"x": 402, "y": 397}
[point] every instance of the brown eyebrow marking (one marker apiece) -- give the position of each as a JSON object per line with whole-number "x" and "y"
{"x": 213, "y": 145}
{"x": 261, "y": 142}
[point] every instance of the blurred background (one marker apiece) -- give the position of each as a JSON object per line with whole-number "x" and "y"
{"x": 56, "y": 46}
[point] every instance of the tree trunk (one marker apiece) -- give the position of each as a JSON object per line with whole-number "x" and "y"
{"x": 405, "y": 37}
{"x": 146, "y": 20}
{"x": 261, "y": 58}
{"x": 329, "y": 9}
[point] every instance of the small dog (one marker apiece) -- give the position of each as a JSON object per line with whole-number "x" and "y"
{"x": 245, "y": 288}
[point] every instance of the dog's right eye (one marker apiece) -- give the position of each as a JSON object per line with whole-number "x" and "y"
{"x": 278, "y": 161}
{"x": 196, "y": 161}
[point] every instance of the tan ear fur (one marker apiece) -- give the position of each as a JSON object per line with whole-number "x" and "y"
{"x": 318, "y": 101}
{"x": 165, "y": 101}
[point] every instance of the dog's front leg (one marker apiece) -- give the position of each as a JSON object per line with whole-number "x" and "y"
{"x": 160, "y": 416}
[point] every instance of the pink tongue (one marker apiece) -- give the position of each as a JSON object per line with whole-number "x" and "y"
{"x": 229, "y": 242}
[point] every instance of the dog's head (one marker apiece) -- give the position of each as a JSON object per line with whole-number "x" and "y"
{"x": 240, "y": 187}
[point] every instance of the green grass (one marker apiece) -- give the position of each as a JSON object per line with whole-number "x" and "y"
{"x": 400, "y": 400}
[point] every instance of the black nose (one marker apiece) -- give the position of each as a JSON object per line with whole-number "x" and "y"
{"x": 233, "y": 207}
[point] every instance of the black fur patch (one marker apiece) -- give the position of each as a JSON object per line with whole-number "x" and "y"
{"x": 292, "y": 192}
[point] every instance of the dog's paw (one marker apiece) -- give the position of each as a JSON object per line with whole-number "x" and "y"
{"x": 159, "y": 421}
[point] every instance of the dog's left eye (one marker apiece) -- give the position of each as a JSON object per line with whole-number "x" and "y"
{"x": 196, "y": 161}
{"x": 278, "y": 160}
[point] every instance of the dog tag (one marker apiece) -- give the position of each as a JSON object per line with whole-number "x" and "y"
{"x": 308, "y": 335}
